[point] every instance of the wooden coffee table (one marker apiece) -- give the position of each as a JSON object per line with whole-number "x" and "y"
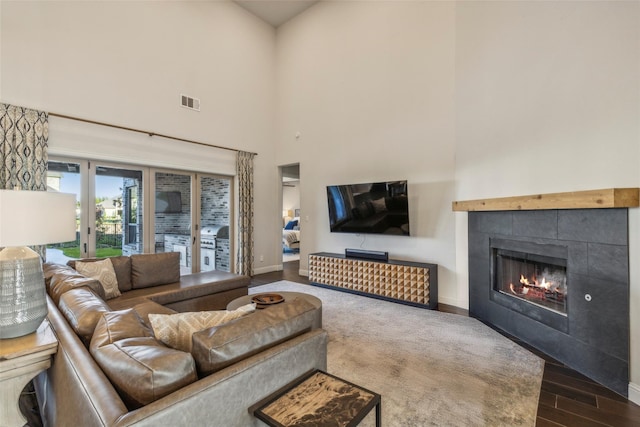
{"x": 318, "y": 399}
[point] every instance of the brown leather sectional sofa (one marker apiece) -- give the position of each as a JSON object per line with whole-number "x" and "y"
{"x": 110, "y": 370}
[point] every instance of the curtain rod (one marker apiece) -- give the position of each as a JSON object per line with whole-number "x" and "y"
{"x": 94, "y": 122}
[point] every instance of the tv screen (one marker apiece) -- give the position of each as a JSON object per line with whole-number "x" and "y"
{"x": 168, "y": 202}
{"x": 372, "y": 208}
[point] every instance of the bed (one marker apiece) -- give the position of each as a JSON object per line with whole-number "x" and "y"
{"x": 291, "y": 236}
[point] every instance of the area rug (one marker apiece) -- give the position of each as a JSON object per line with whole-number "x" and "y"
{"x": 431, "y": 368}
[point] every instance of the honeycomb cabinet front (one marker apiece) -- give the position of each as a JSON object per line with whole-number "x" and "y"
{"x": 399, "y": 281}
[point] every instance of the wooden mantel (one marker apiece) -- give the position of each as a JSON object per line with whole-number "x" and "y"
{"x": 591, "y": 199}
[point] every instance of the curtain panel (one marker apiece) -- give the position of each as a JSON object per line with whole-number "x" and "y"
{"x": 24, "y": 135}
{"x": 244, "y": 172}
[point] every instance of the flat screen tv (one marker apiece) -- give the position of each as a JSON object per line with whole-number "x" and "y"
{"x": 371, "y": 208}
{"x": 168, "y": 202}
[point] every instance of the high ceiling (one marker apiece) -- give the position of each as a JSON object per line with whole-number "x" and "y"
{"x": 276, "y": 12}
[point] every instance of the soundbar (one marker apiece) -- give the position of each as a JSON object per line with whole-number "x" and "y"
{"x": 364, "y": 254}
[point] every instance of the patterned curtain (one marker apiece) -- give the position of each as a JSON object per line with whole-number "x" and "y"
{"x": 244, "y": 171}
{"x": 23, "y": 150}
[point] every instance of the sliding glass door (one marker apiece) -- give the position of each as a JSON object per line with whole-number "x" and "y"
{"x": 185, "y": 212}
{"x": 109, "y": 213}
{"x": 192, "y": 217}
{"x": 215, "y": 222}
{"x": 119, "y": 216}
{"x": 172, "y": 216}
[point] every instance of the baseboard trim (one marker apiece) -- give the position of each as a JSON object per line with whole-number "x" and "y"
{"x": 267, "y": 269}
{"x": 448, "y": 301}
{"x": 634, "y": 393}
{"x": 303, "y": 272}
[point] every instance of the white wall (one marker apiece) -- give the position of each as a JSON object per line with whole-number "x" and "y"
{"x": 291, "y": 196}
{"x": 127, "y": 63}
{"x": 545, "y": 97}
{"x": 548, "y": 100}
{"x": 369, "y": 86}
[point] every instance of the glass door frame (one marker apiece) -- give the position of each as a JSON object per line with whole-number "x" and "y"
{"x": 195, "y": 213}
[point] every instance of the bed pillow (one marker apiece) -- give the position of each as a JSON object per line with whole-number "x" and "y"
{"x": 103, "y": 272}
{"x": 291, "y": 224}
{"x": 176, "y": 330}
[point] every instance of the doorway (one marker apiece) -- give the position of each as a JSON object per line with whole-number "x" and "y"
{"x": 291, "y": 224}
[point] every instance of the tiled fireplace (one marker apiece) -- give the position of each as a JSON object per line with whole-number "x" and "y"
{"x": 559, "y": 280}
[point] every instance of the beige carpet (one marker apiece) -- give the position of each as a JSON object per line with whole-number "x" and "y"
{"x": 431, "y": 368}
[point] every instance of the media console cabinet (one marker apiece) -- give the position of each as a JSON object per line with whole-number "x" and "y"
{"x": 411, "y": 283}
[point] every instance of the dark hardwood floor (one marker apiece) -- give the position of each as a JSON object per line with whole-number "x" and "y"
{"x": 567, "y": 398}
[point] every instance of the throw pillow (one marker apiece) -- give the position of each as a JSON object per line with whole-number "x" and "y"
{"x": 175, "y": 330}
{"x": 291, "y": 224}
{"x": 103, "y": 272}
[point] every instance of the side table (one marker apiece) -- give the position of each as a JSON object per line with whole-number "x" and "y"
{"x": 21, "y": 359}
{"x": 318, "y": 399}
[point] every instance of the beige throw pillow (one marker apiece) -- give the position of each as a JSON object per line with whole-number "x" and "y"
{"x": 175, "y": 330}
{"x": 103, "y": 272}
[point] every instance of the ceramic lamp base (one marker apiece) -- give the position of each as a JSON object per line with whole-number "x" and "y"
{"x": 23, "y": 302}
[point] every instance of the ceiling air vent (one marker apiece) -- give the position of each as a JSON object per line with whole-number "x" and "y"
{"x": 189, "y": 102}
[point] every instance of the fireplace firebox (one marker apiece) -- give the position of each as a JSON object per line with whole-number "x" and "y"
{"x": 557, "y": 279}
{"x": 537, "y": 279}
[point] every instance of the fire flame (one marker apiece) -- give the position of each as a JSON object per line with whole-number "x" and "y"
{"x": 544, "y": 284}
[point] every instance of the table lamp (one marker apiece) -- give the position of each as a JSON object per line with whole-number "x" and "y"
{"x": 29, "y": 218}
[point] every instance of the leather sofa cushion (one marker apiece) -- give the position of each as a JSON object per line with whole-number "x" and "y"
{"x": 118, "y": 325}
{"x": 140, "y": 368}
{"x": 149, "y": 307}
{"x": 176, "y": 330}
{"x": 62, "y": 282}
{"x": 83, "y": 309}
{"x": 143, "y": 370}
{"x": 49, "y": 269}
{"x": 154, "y": 269}
{"x": 121, "y": 266}
{"x": 221, "y": 346}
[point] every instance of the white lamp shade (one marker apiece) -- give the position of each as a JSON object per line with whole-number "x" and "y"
{"x": 36, "y": 217}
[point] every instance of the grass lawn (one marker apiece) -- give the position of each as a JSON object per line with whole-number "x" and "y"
{"x": 100, "y": 252}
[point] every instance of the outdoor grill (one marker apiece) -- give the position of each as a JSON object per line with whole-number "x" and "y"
{"x": 208, "y": 237}
{"x": 210, "y": 233}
